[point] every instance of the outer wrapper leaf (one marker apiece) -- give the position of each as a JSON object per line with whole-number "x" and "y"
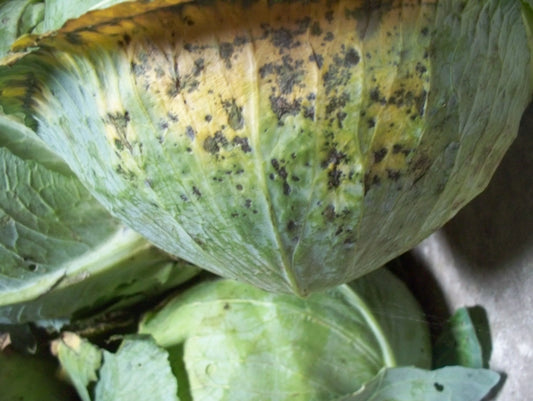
{"x": 288, "y": 144}
{"x": 139, "y": 370}
{"x": 81, "y": 361}
{"x": 61, "y": 252}
{"x": 231, "y": 341}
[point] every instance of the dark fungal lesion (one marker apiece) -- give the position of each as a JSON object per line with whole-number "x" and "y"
{"x": 225, "y": 51}
{"x": 328, "y": 37}
{"x": 318, "y": 59}
{"x": 126, "y": 174}
{"x": 119, "y": 121}
{"x": 282, "y": 38}
{"x": 376, "y": 96}
{"x": 394, "y": 175}
{"x": 287, "y": 73}
{"x": 234, "y": 114}
{"x": 339, "y": 72}
{"x": 329, "y": 16}
{"x": 118, "y": 144}
{"x": 291, "y": 225}
{"x": 351, "y": 58}
{"x": 341, "y": 115}
{"x": 242, "y": 142}
{"x": 335, "y": 108}
{"x": 214, "y": 143}
{"x": 218, "y": 141}
{"x": 419, "y": 166}
{"x": 199, "y": 66}
{"x": 339, "y": 218}
{"x": 370, "y": 180}
{"x": 379, "y": 155}
{"x": 400, "y": 148}
{"x": 334, "y": 177}
{"x": 75, "y": 38}
{"x": 190, "y": 132}
{"x": 315, "y": 30}
{"x": 282, "y": 107}
{"x": 309, "y": 112}
{"x": 196, "y": 192}
{"x": 281, "y": 172}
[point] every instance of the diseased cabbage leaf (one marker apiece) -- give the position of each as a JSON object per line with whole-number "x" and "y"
{"x": 288, "y": 144}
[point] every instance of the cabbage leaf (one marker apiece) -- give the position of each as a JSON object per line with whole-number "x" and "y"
{"x": 61, "y": 252}
{"x": 137, "y": 371}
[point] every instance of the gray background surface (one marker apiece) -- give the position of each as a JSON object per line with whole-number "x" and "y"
{"x": 484, "y": 256}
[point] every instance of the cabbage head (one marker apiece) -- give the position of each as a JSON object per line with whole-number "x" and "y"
{"x": 231, "y": 341}
{"x": 290, "y": 144}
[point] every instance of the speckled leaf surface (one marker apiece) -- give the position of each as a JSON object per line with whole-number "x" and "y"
{"x": 288, "y": 144}
{"x": 232, "y": 341}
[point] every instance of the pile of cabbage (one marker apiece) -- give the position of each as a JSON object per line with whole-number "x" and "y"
{"x": 255, "y": 164}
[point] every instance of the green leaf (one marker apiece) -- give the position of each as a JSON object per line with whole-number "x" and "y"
{"x": 465, "y": 340}
{"x": 237, "y": 342}
{"x": 31, "y": 378}
{"x": 412, "y": 384}
{"x": 80, "y": 360}
{"x": 138, "y": 371}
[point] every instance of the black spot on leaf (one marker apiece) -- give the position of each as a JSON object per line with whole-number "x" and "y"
{"x": 380, "y": 155}
{"x": 243, "y": 143}
{"x": 226, "y": 51}
{"x": 315, "y": 29}
{"x": 234, "y": 114}
{"x": 213, "y": 144}
{"x": 281, "y": 107}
